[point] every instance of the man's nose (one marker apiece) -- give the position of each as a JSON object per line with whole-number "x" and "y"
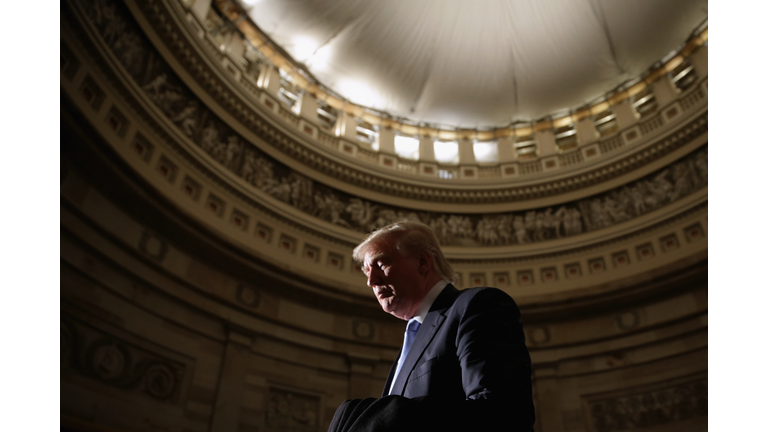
{"x": 373, "y": 278}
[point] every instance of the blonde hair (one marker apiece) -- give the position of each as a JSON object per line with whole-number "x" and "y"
{"x": 410, "y": 238}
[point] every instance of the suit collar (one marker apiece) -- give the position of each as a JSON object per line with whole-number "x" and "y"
{"x": 426, "y": 333}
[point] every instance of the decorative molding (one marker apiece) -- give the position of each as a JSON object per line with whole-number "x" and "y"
{"x": 103, "y": 357}
{"x": 193, "y": 119}
{"x": 290, "y": 410}
{"x": 351, "y": 172}
{"x": 654, "y": 405}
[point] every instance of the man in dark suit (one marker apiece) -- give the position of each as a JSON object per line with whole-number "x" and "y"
{"x": 464, "y": 364}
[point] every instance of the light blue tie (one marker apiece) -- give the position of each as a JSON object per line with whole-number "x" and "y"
{"x": 410, "y": 335}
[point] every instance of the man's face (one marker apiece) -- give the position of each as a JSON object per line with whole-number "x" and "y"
{"x": 396, "y": 280}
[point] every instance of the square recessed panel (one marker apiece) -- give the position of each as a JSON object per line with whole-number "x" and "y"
{"x": 477, "y": 279}
{"x": 335, "y": 261}
{"x": 524, "y": 277}
{"x": 263, "y": 232}
{"x": 550, "y": 163}
{"x": 92, "y": 93}
{"x": 645, "y": 251}
{"x": 591, "y": 151}
{"x": 387, "y": 161}
{"x": 191, "y": 188}
{"x": 428, "y": 169}
{"x": 311, "y": 253}
{"x": 549, "y": 274}
{"x": 308, "y": 129}
{"x": 167, "y": 169}
{"x": 117, "y": 122}
{"x": 239, "y": 219}
{"x": 596, "y": 265}
{"x": 501, "y": 279}
{"x": 632, "y": 134}
{"x": 215, "y": 205}
{"x": 509, "y": 170}
{"x": 572, "y": 270}
{"x": 142, "y": 147}
{"x": 694, "y": 232}
{"x": 620, "y": 259}
{"x": 669, "y": 243}
{"x": 287, "y": 243}
{"x": 468, "y": 172}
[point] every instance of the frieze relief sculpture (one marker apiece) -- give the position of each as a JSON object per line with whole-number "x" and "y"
{"x": 196, "y": 121}
{"x": 289, "y": 412}
{"x": 681, "y": 402}
{"x": 97, "y": 355}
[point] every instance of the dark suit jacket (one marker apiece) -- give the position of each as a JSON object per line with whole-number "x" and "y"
{"x": 468, "y": 369}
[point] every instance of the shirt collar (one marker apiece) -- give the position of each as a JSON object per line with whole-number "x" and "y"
{"x": 436, "y": 289}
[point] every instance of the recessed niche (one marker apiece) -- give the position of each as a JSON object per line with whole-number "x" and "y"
{"x": 263, "y": 232}
{"x": 167, "y": 169}
{"x": 191, "y": 188}
{"x": 215, "y": 205}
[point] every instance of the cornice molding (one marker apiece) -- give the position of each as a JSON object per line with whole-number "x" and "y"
{"x": 169, "y": 29}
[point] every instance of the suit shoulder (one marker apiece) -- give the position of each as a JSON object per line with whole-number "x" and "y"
{"x": 483, "y": 293}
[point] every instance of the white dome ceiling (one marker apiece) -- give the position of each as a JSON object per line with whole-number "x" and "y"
{"x": 476, "y": 64}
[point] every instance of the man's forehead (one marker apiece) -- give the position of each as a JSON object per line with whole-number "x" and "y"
{"x": 378, "y": 251}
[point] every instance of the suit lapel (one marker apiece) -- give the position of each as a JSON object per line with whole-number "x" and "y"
{"x": 388, "y": 384}
{"x": 426, "y": 333}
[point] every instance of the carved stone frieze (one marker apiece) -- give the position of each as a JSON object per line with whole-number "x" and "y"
{"x": 160, "y": 16}
{"x": 98, "y": 355}
{"x": 292, "y": 411}
{"x": 160, "y": 85}
{"x": 668, "y": 404}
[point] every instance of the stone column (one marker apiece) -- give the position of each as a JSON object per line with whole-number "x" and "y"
{"x": 625, "y": 114}
{"x": 235, "y": 46}
{"x": 506, "y": 150}
{"x": 308, "y": 107}
{"x": 269, "y": 80}
{"x": 664, "y": 91}
{"x": 545, "y": 143}
{"x": 427, "y": 150}
{"x": 387, "y": 141}
{"x": 345, "y": 126}
{"x": 229, "y": 393}
{"x": 466, "y": 152}
{"x": 586, "y": 132}
{"x": 201, "y": 8}
{"x": 700, "y": 60}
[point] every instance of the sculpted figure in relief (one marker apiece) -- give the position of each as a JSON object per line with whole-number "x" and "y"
{"x": 156, "y": 85}
{"x": 440, "y": 227}
{"x": 210, "y": 139}
{"x": 460, "y": 226}
{"x": 114, "y": 25}
{"x": 329, "y": 208}
{"x": 301, "y": 192}
{"x": 129, "y": 51}
{"x": 360, "y": 212}
{"x": 487, "y": 231}
{"x": 520, "y": 231}
{"x": 186, "y": 118}
{"x": 234, "y": 148}
{"x": 280, "y": 190}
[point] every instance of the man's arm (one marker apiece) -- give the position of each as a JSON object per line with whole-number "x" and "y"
{"x": 495, "y": 364}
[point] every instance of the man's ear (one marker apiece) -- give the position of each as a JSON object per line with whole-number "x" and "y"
{"x": 425, "y": 263}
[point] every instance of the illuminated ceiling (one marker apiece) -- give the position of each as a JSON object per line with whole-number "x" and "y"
{"x": 476, "y": 64}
